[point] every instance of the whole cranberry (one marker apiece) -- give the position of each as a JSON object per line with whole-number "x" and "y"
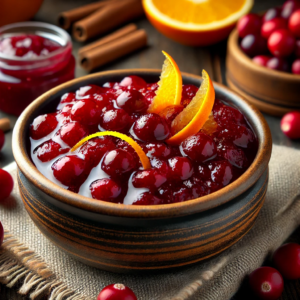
{"x": 278, "y": 63}
{"x": 261, "y": 60}
{"x": 221, "y": 172}
{"x": 160, "y": 165}
{"x": 115, "y": 120}
{"x": 146, "y": 199}
{"x": 181, "y": 168}
{"x": 89, "y": 90}
{"x": 150, "y": 128}
{"x": 2, "y": 139}
{"x": 6, "y": 184}
{"x": 42, "y": 126}
{"x": 249, "y": 24}
{"x": 116, "y": 291}
{"x": 1, "y": 234}
{"x": 150, "y": 179}
{"x": 105, "y": 189}
{"x": 132, "y": 101}
{"x": 253, "y": 45}
{"x": 272, "y": 13}
{"x": 67, "y": 98}
{"x": 199, "y": 147}
{"x": 288, "y": 8}
{"x": 49, "y": 150}
{"x": 158, "y": 150}
{"x": 266, "y": 283}
{"x": 233, "y": 154}
{"x": 117, "y": 162}
{"x": 290, "y": 125}
{"x": 181, "y": 194}
{"x": 294, "y": 23}
{"x": 296, "y": 66}
{"x": 188, "y": 91}
{"x": 287, "y": 260}
{"x": 86, "y": 112}
{"x": 270, "y": 26}
{"x": 297, "y": 49}
{"x": 134, "y": 82}
{"x": 71, "y": 133}
{"x": 67, "y": 169}
{"x": 224, "y": 114}
{"x": 281, "y": 43}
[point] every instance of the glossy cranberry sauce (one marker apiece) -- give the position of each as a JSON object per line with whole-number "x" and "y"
{"x": 108, "y": 169}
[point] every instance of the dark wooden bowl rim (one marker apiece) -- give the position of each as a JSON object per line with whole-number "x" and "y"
{"x": 224, "y": 195}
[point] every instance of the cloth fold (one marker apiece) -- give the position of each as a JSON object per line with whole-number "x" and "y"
{"x": 28, "y": 257}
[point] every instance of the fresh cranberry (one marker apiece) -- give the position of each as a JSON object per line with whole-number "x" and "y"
{"x": 1, "y": 234}
{"x": 42, "y": 126}
{"x": 294, "y": 23}
{"x": 2, "y": 139}
{"x": 261, "y": 60}
{"x": 221, "y": 172}
{"x": 181, "y": 168}
{"x": 287, "y": 260}
{"x": 297, "y": 49}
{"x": 6, "y": 184}
{"x": 281, "y": 43}
{"x": 146, "y": 199}
{"x": 288, "y": 8}
{"x": 105, "y": 189}
{"x": 134, "y": 82}
{"x": 188, "y": 91}
{"x": 132, "y": 101}
{"x": 253, "y": 45}
{"x": 158, "y": 150}
{"x": 94, "y": 149}
{"x": 296, "y": 67}
{"x": 117, "y": 162}
{"x": 226, "y": 114}
{"x": 290, "y": 125}
{"x": 67, "y": 98}
{"x": 151, "y": 128}
{"x": 199, "y": 147}
{"x": 278, "y": 63}
{"x": 116, "y": 291}
{"x": 67, "y": 169}
{"x": 86, "y": 112}
{"x": 170, "y": 112}
{"x": 49, "y": 150}
{"x": 150, "y": 179}
{"x": 73, "y": 132}
{"x": 272, "y": 13}
{"x": 249, "y": 24}
{"x": 115, "y": 120}
{"x": 266, "y": 283}
{"x": 270, "y": 26}
{"x": 89, "y": 90}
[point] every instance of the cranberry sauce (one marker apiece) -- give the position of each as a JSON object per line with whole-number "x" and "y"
{"x": 108, "y": 169}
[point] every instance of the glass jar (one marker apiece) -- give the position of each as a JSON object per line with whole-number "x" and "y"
{"x": 23, "y": 79}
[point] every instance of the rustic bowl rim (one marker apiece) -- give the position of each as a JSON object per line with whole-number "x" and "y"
{"x": 233, "y": 46}
{"x": 240, "y": 185}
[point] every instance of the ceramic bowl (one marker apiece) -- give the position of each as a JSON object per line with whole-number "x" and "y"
{"x": 273, "y": 92}
{"x": 123, "y": 238}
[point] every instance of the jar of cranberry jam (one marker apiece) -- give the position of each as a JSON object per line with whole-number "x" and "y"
{"x": 34, "y": 57}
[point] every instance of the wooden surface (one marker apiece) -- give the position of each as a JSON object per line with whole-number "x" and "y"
{"x": 189, "y": 59}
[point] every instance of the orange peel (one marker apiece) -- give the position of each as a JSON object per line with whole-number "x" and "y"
{"x": 137, "y": 148}
{"x": 169, "y": 87}
{"x": 194, "y": 116}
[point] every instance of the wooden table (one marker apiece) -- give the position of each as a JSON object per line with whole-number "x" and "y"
{"x": 189, "y": 59}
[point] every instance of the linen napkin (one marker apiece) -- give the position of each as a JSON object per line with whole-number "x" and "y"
{"x": 28, "y": 257}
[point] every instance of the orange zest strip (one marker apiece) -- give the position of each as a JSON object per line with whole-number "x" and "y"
{"x": 142, "y": 155}
{"x": 193, "y": 117}
{"x": 170, "y": 86}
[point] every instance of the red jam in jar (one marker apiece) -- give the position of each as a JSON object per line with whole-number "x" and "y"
{"x": 108, "y": 169}
{"x": 34, "y": 57}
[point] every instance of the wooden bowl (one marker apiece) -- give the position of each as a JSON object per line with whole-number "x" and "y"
{"x": 125, "y": 238}
{"x": 271, "y": 91}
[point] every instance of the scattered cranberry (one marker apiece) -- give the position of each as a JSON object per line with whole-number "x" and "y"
{"x": 278, "y": 63}
{"x": 6, "y": 184}
{"x": 132, "y": 101}
{"x": 296, "y": 67}
{"x": 42, "y": 126}
{"x": 272, "y": 13}
{"x": 49, "y": 150}
{"x": 287, "y": 260}
{"x": 86, "y": 112}
{"x": 290, "y": 125}
{"x": 73, "y": 132}
{"x": 199, "y": 147}
{"x": 67, "y": 169}
{"x": 221, "y": 172}
{"x": 1, "y": 234}
{"x": 281, "y": 43}
{"x": 2, "y": 139}
{"x": 181, "y": 168}
{"x": 151, "y": 128}
{"x": 294, "y": 23}
{"x": 270, "y": 26}
{"x": 115, "y": 120}
{"x": 134, "y": 81}
{"x": 105, "y": 189}
{"x": 116, "y": 291}
{"x": 288, "y": 8}
{"x": 261, "y": 60}
{"x": 266, "y": 283}
{"x": 253, "y": 45}
{"x": 249, "y": 24}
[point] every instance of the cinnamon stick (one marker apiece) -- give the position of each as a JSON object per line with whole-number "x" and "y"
{"x": 66, "y": 18}
{"x": 108, "y": 38}
{"x": 4, "y": 124}
{"x": 107, "y": 18}
{"x": 108, "y": 52}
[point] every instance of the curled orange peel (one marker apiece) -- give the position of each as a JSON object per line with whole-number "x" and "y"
{"x": 137, "y": 148}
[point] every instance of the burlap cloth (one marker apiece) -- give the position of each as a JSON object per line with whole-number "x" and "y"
{"x": 27, "y": 257}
